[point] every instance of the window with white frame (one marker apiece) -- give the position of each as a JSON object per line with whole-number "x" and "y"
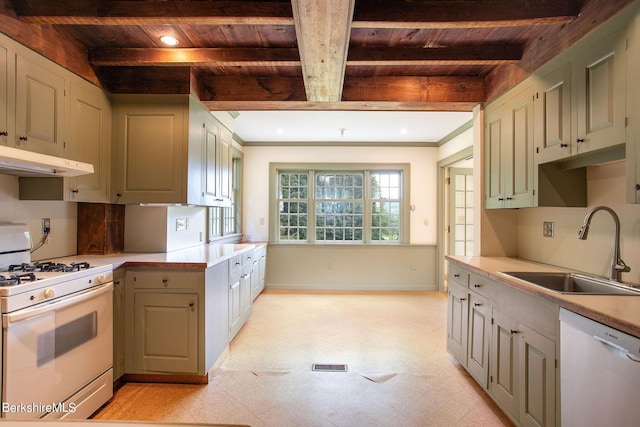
{"x": 225, "y": 221}
{"x": 347, "y": 204}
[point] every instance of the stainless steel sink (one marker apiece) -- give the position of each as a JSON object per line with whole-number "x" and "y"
{"x": 570, "y": 283}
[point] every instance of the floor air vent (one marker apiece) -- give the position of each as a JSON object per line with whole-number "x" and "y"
{"x": 323, "y": 367}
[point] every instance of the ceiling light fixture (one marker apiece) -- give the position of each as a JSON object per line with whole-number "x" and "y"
{"x": 169, "y": 41}
{"x": 342, "y": 131}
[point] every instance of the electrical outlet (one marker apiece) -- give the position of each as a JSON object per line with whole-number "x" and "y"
{"x": 46, "y": 225}
{"x": 547, "y": 229}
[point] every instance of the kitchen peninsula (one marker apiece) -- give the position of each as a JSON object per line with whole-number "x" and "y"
{"x": 186, "y": 305}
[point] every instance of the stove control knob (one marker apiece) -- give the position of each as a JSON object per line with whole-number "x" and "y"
{"x": 101, "y": 279}
{"x": 48, "y": 293}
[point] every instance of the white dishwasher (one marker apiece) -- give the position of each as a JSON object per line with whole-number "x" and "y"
{"x": 599, "y": 374}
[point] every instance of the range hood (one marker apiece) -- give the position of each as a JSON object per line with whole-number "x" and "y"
{"x": 14, "y": 161}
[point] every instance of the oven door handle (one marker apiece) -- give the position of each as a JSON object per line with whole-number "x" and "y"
{"x": 62, "y": 302}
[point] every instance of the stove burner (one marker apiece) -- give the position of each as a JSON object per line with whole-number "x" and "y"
{"x": 48, "y": 266}
{"x": 17, "y": 279}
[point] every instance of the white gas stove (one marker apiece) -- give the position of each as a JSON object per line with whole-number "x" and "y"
{"x": 57, "y": 332}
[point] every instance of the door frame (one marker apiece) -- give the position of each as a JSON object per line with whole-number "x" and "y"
{"x": 442, "y": 171}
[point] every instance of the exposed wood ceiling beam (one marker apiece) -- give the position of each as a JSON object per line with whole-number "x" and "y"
{"x": 452, "y": 89}
{"x": 273, "y": 57}
{"x": 323, "y": 30}
{"x": 338, "y": 106}
{"x": 464, "y": 14}
{"x": 376, "y": 14}
{"x": 459, "y": 55}
{"x": 288, "y": 57}
{"x": 96, "y": 12}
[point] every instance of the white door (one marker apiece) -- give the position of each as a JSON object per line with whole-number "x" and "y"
{"x": 461, "y": 212}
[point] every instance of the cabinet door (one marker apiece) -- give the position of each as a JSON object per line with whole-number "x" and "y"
{"x": 4, "y": 98}
{"x": 235, "y": 309}
{"x": 494, "y": 146}
{"x": 210, "y": 176}
{"x": 537, "y": 371}
{"x": 245, "y": 296}
{"x": 149, "y": 156}
{"x": 224, "y": 163}
{"x": 166, "y": 332}
{"x": 633, "y": 112}
{"x": 89, "y": 140}
{"x": 118, "y": 322}
{"x": 457, "y": 322}
{"x": 599, "y": 76}
{"x": 255, "y": 279}
{"x": 262, "y": 270}
{"x": 553, "y": 115}
{"x": 479, "y": 338}
{"x": 504, "y": 384}
{"x": 518, "y": 154}
{"x": 39, "y": 109}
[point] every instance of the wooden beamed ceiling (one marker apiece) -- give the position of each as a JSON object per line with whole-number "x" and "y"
{"x": 306, "y": 54}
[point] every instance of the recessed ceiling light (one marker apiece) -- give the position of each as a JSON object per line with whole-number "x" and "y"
{"x": 169, "y": 41}
{"x": 403, "y": 131}
{"x": 279, "y": 131}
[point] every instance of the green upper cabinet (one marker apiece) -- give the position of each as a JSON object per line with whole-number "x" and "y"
{"x": 552, "y": 115}
{"x": 580, "y": 105}
{"x": 169, "y": 149}
{"x": 633, "y": 112}
{"x": 39, "y": 108}
{"x": 4, "y": 97}
{"x": 509, "y": 168}
{"x": 88, "y": 137}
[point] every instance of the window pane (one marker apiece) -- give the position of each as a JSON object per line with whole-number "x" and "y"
{"x": 293, "y": 205}
{"x": 385, "y": 206}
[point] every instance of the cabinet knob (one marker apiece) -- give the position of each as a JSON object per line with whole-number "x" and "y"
{"x": 579, "y": 140}
{"x": 463, "y": 299}
{"x": 456, "y": 275}
{"x": 637, "y": 187}
{"x": 500, "y": 199}
{"x": 564, "y": 145}
{"x": 477, "y": 304}
{"x": 23, "y": 138}
{"x": 513, "y": 331}
{"x": 75, "y": 191}
{"x": 4, "y": 133}
{"x": 509, "y": 198}
{"x": 165, "y": 282}
{"x": 476, "y": 285}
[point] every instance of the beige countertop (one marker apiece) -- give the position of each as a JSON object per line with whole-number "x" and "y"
{"x": 620, "y": 312}
{"x": 197, "y": 257}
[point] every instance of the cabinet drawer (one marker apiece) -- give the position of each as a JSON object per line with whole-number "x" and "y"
{"x": 480, "y": 285}
{"x": 165, "y": 279}
{"x": 235, "y": 269}
{"x": 458, "y": 275}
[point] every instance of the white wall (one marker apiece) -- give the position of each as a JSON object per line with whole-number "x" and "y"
{"x": 154, "y": 228}
{"x": 63, "y": 215}
{"x": 605, "y": 186}
{"x": 423, "y": 161}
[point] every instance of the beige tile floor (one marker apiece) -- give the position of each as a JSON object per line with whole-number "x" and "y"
{"x": 399, "y": 372}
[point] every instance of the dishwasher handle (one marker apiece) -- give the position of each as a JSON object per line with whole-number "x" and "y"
{"x": 614, "y": 345}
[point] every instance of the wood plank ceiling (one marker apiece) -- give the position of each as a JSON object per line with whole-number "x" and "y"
{"x": 445, "y": 55}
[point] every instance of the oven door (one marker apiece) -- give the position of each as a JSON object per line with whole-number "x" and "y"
{"x": 51, "y": 351}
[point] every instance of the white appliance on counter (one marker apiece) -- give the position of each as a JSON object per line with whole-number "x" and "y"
{"x": 57, "y": 333}
{"x": 599, "y": 374}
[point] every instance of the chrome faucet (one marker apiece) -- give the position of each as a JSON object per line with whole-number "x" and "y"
{"x": 617, "y": 264}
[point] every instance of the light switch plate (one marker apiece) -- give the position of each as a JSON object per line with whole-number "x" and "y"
{"x": 547, "y": 229}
